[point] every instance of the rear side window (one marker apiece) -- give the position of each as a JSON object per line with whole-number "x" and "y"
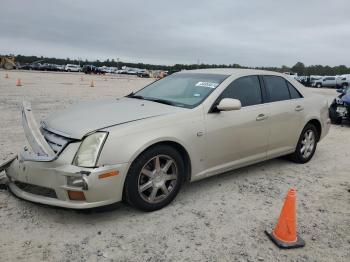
{"x": 277, "y": 88}
{"x": 293, "y": 91}
{"x": 246, "y": 89}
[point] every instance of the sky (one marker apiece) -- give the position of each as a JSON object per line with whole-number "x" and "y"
{"x": 249, "y": 33}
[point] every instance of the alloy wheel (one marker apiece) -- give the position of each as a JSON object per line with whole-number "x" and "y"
{"x": 157, "y": 179}
{"x": 308, "y": 144}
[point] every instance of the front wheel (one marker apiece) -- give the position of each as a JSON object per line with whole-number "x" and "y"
{"x": 154, "y": 178}
{"x": 307, "y": 144}
{"x": 318, "y": 85}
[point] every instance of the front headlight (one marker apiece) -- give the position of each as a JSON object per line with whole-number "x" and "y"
{"x": 89, "y": 150}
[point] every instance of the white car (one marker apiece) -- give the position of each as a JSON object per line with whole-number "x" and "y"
{"x": 188, "y": 126}
{"x": 72, "y": 68}
{"x": 343, "y": 81}
{"x": 325, "y": 81}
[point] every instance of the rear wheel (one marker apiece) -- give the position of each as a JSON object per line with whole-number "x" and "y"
{"x": 154, "y": 178}
{"x": 307, "y": 144}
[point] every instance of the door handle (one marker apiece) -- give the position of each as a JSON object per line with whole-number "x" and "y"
{"x": 261, "y": 117}
{"x": 299, "y": 108}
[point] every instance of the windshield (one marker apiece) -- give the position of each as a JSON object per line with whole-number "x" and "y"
{"x": 183, "y": 90}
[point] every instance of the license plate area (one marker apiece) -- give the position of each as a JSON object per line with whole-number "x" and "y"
{"x": 342, "y": 110}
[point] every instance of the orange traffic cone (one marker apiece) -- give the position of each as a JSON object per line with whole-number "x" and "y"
{"x": 92, "y": 83}
{"x": 18, "y": 82}
{"x": 284, "y": 235}
{"x": 7, "y": 76}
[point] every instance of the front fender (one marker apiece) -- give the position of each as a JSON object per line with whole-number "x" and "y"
{"x": 125, "y": 143}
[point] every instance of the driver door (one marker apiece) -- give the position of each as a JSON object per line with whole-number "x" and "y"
{"x": 239, "y": 137}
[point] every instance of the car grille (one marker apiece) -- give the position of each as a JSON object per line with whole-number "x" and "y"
{"x": 36, "y": 190}
{"x": 56, "y": 142}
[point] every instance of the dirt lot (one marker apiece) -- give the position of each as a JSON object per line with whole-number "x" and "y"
{"x": 222, "y": 218}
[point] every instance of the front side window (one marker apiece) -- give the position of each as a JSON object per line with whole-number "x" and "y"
{"x": 246, "y": 89}
{"x": 277, "y": 88}
{"x": 183, "y": 89}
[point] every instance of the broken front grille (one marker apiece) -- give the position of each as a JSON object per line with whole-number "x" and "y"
{"x": 56, "y": 142}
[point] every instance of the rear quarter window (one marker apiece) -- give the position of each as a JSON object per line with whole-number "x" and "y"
{"x": 294, "y": 93}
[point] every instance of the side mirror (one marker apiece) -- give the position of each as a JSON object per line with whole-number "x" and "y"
{"x": 229, "y": 104}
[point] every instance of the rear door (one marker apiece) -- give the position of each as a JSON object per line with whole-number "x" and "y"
{"x": 286, "y": 114}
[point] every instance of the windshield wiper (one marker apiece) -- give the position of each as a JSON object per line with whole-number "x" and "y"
{"x": 136, "y": 96}
{"x": 162, "y": 101}
{"x": 157, "y": 100}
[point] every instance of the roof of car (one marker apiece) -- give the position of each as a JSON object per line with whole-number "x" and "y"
{"x": 239, "y": 72}
{"x": 232, "y": 71}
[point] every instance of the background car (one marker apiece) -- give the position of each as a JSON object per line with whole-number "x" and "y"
{"x": 48, "y": 67}
{"x": 326, "y": 81}
{"x": 60, "y": 68}
{"x": 340, "y": 107}
{"x": 72, "y": 68}
{"x": 143, "y": 73}
{"x": 343, "y": 81}
{"x": 25, "y": 66}
{"x": 91, "y": 69}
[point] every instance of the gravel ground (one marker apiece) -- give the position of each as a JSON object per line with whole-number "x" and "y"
{"x": 222, "y": 218}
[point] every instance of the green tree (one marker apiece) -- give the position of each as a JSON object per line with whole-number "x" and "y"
{"x": 299, "y": 68}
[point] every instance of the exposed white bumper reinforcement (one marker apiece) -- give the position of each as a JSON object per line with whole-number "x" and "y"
{"x": 34, "y": 137}
{"x": 7, "y": 163}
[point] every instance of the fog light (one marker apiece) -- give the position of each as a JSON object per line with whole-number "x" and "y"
{"x": 78, "y": 182}
{"x": 76, "y": 195}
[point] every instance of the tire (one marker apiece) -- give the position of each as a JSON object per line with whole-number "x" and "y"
{"x": 8, "y": 66}
{"x": 335, "y": 119}
{"x": 146, "y": 177}
{"x": 318, "y": 85}
{"x": 300, "y": 156}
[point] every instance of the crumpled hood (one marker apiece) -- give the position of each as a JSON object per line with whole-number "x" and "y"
{"x": 83, "y": 118}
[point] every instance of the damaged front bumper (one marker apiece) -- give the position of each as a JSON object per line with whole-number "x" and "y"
{"x": 46, "y": 177}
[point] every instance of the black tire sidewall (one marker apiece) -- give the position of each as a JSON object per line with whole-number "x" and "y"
{"x": 335, "y": 119}
{"x": 131, "y": 194}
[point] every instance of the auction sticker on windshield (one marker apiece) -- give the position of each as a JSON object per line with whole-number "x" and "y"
{"x": 207, "y": 84}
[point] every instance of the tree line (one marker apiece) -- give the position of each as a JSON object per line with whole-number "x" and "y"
{"x": 298, "y": 68}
